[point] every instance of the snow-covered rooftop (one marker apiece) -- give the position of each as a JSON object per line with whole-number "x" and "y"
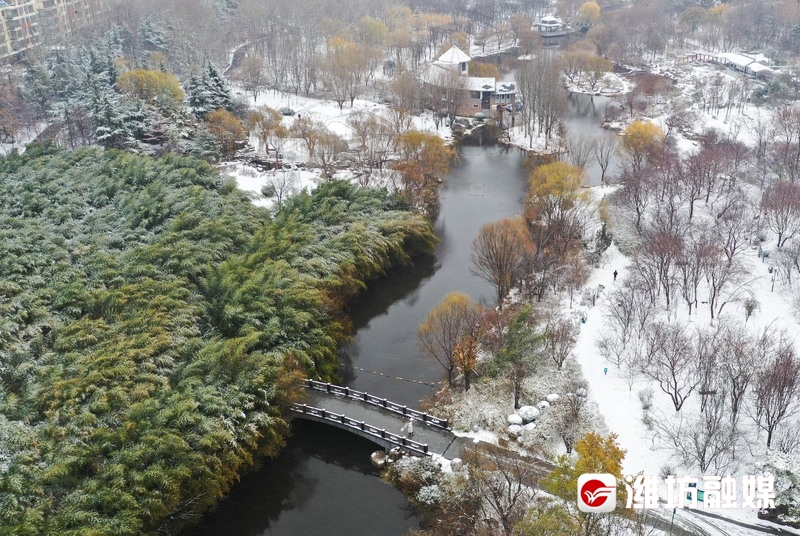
{"x": 476, "y": 83}
{"x": 437, "y": 74}
{"x": 550, "y": 21}
{"x": 453, "y": 56}
{"x": 740, "y": 60}
{"x": 507, "y": 87}
{"x": 756, "y": 68}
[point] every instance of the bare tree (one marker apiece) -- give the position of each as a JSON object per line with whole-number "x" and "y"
{"x": 690, "y": 269}
{"x": 789, "y": 258}
{"x": 657, "y": 259}
{"x": 560, "y": 336}
{"x": 784, "y": 157}
{"x": 281, "y": 184}
{"x": 571, "y": 415}
{"x": 719, "y": 274}
{"x": 636, "y": 193}
{"x": 542, "y": 96}
{"x": 708, "y": 440}
{"x": 252, "y": 75}
{"x": 604, "y": 149}
{"x": 738, "y": 352}
{"x": 669, "y": 361}
{"x": 781, "y": 206}
{"x": 775, "y": 389}
{"x": 733, "y": 227}
{"x": 579, "y": 149}
{"x": 506, "y": 482}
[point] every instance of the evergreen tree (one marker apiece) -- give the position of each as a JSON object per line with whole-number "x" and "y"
{"x": 154, "y": 36}
{"x": 198, "y": 96}
{"x": 111, "y": 130}
{"x": 38, "y": 89}
{"x": 219, "y": 90}
{"x": 208, "y": 92}
{"x": 204, "y": 145}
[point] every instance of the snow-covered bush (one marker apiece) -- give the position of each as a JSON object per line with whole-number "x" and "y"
{"x": 514, "y": 419}
{"x": 430, "y": 495}
{"x": 527, "y": 413}
{"x": 786, "y": 469}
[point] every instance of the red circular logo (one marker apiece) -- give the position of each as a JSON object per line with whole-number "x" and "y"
{"x": 594, "y": 493}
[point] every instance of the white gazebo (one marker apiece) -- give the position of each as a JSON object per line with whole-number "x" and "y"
{"x": 455, "y": 59}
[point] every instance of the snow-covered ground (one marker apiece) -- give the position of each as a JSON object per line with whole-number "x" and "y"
{"x": 296, "y": 174}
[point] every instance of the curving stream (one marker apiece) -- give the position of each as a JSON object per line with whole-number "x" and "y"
{"x": 322, "y": 484}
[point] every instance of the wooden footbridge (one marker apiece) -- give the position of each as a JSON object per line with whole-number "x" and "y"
{"x": 379, "y": 420}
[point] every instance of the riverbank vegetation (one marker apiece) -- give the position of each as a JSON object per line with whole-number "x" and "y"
{"x": 154, "y": 325}
{"x": 496, "y": 491}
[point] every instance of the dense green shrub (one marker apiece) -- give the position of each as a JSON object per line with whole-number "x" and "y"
{"x": 153, "y": 323}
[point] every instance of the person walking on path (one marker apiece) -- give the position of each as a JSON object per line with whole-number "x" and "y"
{"x": 409, "y": 427}
{"x": 615, "y": 276}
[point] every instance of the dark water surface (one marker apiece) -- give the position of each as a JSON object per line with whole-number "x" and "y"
{"x": 321, "y": 484}
{"x": 486, "y": 184}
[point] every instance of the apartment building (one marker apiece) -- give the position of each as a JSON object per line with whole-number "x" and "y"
{"x": 25, "y": 24}
{"x": 61, "y": 18}
{"x": 19, "y": 27}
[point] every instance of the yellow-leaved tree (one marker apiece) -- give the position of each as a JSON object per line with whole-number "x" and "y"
{"x": 554, "y": 190}
{"x": 642, "y": 140}
{"x": 227, "y": 129}
{"x": 485, "y": 70}
{"x": 557, "y": 210}
{"x": 499, "y": 253}
{"x": 150, "y": 85}
{"x": 589, "y": 13}
{"x": 450, "y": 335}
{"x": 424, "y": 160}
{"x": 596, "y": 454}
{"x": 268, "y": 126}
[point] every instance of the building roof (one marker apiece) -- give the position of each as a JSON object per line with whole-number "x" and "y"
{"x": 756, "y": 68}
{"x": 436, "y": 74}
{"x": 453, "y": 56}
{"x": 744, "y": 62}
{"x": 476, "y": 83}
{"x": 737, "y": 59}
{"x": 508, "y": 87}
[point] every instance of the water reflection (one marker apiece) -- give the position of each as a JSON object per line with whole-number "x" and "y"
{"x": 322, "y": 483}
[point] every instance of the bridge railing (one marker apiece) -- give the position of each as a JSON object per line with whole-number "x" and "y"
{"x": 376, "y": 401}
{"x": 401, "y": 441}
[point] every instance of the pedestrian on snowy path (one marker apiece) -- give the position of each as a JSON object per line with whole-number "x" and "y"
{"x": 409, "y": 427}
{"x": 615, "y": 276}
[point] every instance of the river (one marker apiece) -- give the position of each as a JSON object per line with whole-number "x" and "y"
{"x": 322, "y": 484}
